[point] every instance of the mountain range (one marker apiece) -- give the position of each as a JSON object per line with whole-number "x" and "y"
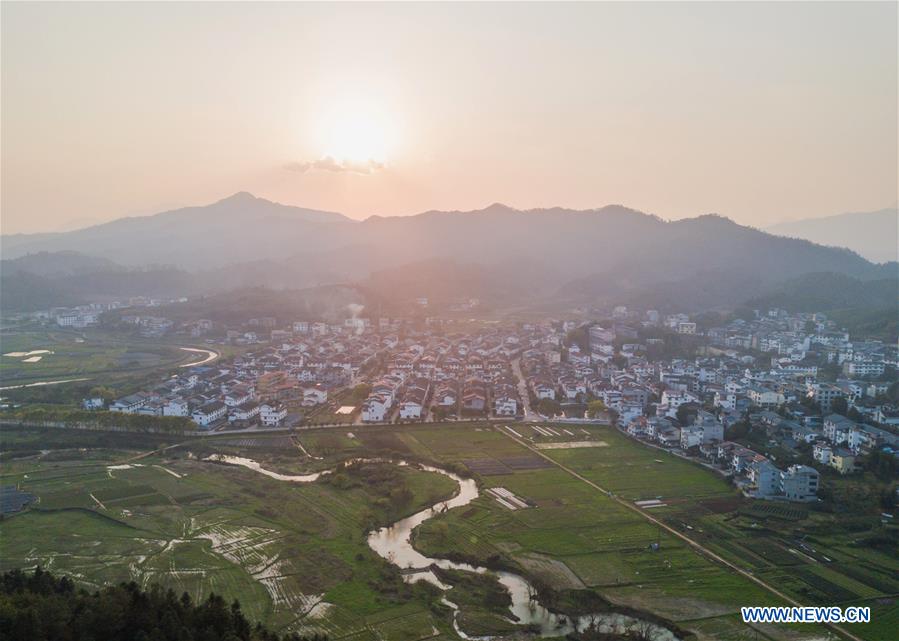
{"x": 873, "y": 234}
{"x": 500, "y": 254}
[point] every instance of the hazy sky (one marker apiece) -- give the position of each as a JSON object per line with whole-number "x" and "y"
{"x": 761, "y": 112}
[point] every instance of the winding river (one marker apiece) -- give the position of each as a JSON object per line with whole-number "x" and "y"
{"x": 394, "y": 543}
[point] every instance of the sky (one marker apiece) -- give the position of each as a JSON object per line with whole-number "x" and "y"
{"x": 762, "y": 112}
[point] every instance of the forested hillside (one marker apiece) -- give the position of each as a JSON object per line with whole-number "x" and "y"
{"x": 39, "y": 606}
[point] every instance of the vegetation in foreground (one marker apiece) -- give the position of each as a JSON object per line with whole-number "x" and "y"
{"x": 40, "y": 606}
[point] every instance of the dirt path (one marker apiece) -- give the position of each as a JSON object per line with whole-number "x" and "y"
{"x": 98, "y": 501}
{"x": 694, "y": 544}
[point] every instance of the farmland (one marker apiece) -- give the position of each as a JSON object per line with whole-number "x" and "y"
{"x": 814, "y": 557}
{"x": 85, "y": 357}
{"x": 295, "y": 554}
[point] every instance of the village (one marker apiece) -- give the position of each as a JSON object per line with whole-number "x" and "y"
{"x": 740, "y": 397}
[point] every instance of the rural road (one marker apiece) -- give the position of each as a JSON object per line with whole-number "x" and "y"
{"x": 694, "y": 544}
{"x": 211, "y": 355}
{"x": 529, "y": 414}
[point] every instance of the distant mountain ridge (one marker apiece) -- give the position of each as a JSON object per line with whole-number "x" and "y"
{"x": 62, "y": 263}
{"x": 189, "y": 237}
{"x": 598, "y": 255}
{"x": 873, "y": 234}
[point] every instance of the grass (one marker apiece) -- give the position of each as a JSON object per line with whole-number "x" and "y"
{"x": 274, "y": 544}
{"x": 125, "y": 363}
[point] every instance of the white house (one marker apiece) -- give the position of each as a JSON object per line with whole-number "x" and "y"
{"x": 272, "y": 414}
{"x": 672, "y": 399}
{"x": 176, "y": 407}
{"x": 505, "y": 406}
{"x": 686, "y": 328}
{"x": 410, "y": 409}
{"x": 822, "y": 452}
{"x": 799, "y": 483}
{"x": 837, "y": 428}
{"x": 374, "y": 409}
{"x": 244, "y": 412}
{"x": 95, "y": 403}
{"x": 766, "y": 478}
{"x": 628, "y": 411}
{"x": 314, "y": 395}
{"x": 239, "y": 395}
{"x": 129, "y": 404}
{"x": 690, "y": 436}
{"x": 210, "y": 413}
{"x": 824, "y": 394}
{"x": 764, "y": 397}
{"x": 445, "y": 396}
{"x": 543, "y": 390}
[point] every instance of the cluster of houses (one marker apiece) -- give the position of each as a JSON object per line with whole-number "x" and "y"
{"x": 458, "y": 375}
{"x": 208, "y": 397}
{"x": 409, "y": 376}
{"x": 610, "y": 363}
{"x": 258, "y": 386}
{"x": 89, "y": 315}
{"x": 424, "y": 371}
{"x": 727, "y": 381}
{"x": 754, "y": 473}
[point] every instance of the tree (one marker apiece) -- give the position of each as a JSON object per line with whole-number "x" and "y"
{"x": 686, "y": 413}
{"x": 596, "y": 408}
{"x": 106, "y": 393}
{"x": 888, "y": 498}
{"x": 893, "y": 392}
{"x": 359, "y": 393}
{"x": 41, "y": 607}
{"x": 883, "y": 466}
{"x": 549, "y": 407}
{"x": 579, "y": 337}
{"x": 738, "y": 430}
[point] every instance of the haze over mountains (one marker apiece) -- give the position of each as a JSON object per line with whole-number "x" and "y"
{"x": 497, "y": 253}
{"x": 873, "y": 234}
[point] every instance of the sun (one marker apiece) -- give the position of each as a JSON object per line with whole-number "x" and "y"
{"x": 358, "y": 134}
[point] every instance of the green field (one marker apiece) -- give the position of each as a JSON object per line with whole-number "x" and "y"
{"x": 105, "y": 358}
{"x": 281, "y": 548}
{"x": 200, "y": 527}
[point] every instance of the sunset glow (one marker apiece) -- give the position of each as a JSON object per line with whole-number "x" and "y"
{"x": 356, "y": 132}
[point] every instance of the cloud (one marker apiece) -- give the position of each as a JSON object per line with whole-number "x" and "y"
{"x": 329, "y": 163}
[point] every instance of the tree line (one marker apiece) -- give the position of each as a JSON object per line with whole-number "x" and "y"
{"x": 39, "y": 606}
{"x": 99, "y": 420}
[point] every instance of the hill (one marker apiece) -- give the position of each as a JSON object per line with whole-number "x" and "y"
{"x": 827, "y": 291}
{"x": 498, "y": 254}
{"x": 240, "y": 227}
{"x": 62, "y": 263}
{"x": 872, "y": 234}
{"x": 24, "y": 291}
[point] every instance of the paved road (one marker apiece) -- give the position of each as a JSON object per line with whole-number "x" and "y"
{"x": 694, "y": 544}
{"x": 529, "y": 414}
{"x": 211, "y": 355}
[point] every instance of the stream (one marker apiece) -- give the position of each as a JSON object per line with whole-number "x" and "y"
{"x": 393, "y": 543}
